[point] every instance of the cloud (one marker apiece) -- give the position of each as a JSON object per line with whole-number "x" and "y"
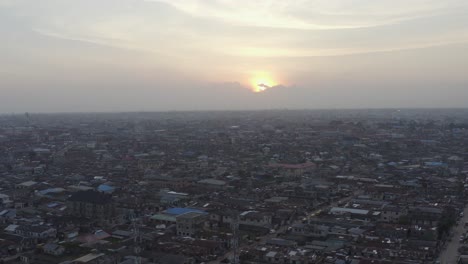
{"x": 313, "y": 15}
{"x": 217, "y": 28}
{"x": 197, "y": 29}
{"x": 264, "y": 85}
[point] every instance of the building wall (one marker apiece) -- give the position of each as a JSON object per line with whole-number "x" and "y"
{"x": 89, "y": 210}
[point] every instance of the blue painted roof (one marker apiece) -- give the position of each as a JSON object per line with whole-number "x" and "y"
{"x": 51, "y": 205}
{"x": 434, "y": 163}
{"x": 51, "y": 190}
{"x": 179, "y": 211}
{"x": 105, "y": 188}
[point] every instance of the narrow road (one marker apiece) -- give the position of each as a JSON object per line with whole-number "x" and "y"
{"x": 450, "y": 254}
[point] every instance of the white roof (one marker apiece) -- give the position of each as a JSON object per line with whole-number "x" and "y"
{"x": 11, "y": 228}
{"x": 88, "y": 258}
{"x": 247, "y": 212}
{"x": 28, "y": 183}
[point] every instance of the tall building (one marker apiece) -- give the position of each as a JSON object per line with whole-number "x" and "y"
{"x": 91, "y": 204}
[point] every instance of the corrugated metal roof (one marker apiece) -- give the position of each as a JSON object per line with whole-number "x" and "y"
{"x": 348, "y": 210}
{"x": 179, "y": 211}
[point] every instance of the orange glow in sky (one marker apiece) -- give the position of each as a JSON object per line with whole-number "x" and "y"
{"x": 261, "y": 82}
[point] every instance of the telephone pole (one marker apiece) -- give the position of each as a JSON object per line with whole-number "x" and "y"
{"x": 235, "y": 239}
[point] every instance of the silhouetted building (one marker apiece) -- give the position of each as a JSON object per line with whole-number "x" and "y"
{"x": 91, "y": 204}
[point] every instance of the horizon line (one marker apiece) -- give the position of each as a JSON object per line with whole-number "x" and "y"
{"x": 231, "y": 110}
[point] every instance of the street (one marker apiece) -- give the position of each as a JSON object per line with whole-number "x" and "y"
{"x": 450, "y": 254}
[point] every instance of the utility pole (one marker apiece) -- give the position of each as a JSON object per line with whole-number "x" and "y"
{"x": 235, "y": 239}
{"x": 136, "y": 240}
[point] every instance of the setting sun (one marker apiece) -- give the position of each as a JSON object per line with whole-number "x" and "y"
{"x": 261, "y": 82}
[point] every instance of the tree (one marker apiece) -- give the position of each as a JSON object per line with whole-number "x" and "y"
{"x": 447, "y": 220}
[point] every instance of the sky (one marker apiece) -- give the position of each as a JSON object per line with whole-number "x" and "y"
{"x": 160, "y": 55}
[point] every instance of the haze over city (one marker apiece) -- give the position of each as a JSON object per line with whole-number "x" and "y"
{"x": 123, "y": 55}
{"x": 233, "y": 131}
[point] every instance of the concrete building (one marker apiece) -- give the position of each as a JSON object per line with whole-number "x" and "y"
{"x": 92, "y": 205}
{"x": 190, "y": 223}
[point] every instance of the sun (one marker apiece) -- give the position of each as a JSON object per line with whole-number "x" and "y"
{"x": 262, "y": 81}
